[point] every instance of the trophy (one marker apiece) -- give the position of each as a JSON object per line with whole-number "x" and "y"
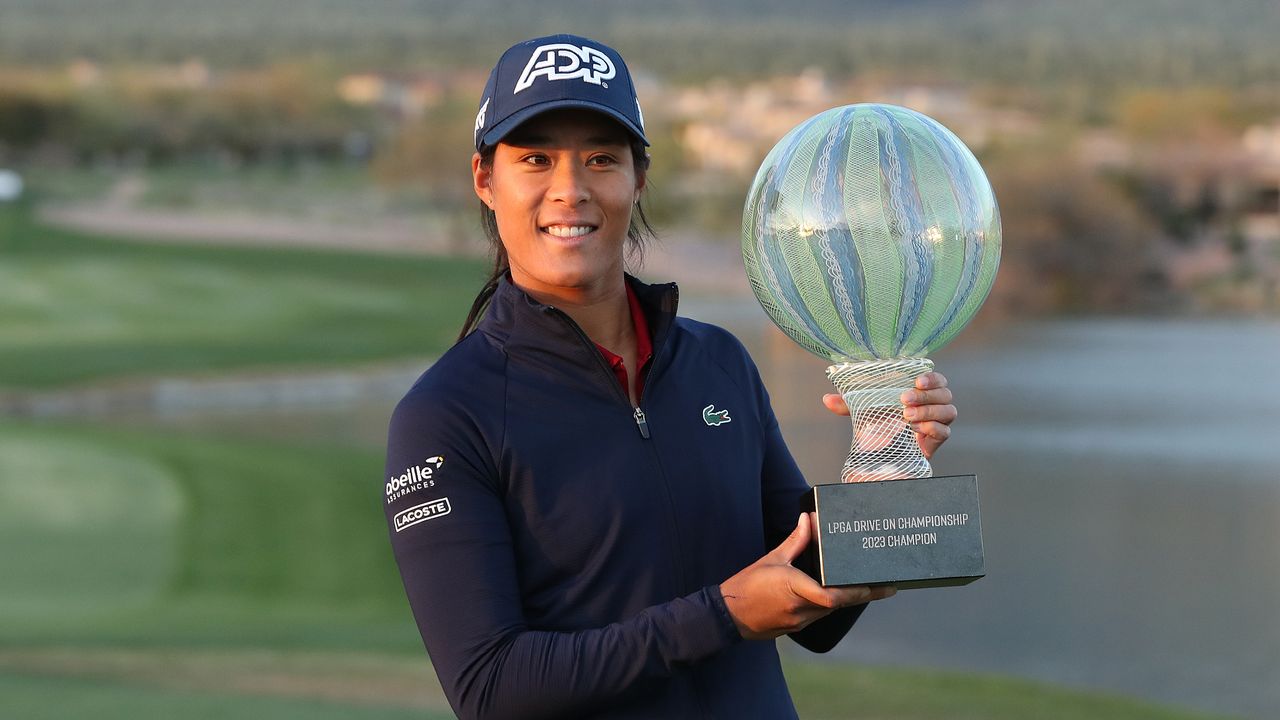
{"x": 871, "y": 237}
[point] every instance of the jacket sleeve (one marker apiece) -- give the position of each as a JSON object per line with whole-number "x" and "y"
{"x": 782, "y": 486}
{"x": 462, "y": 580}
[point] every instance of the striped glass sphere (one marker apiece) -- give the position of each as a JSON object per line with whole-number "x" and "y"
{"x": 870, "y": 233}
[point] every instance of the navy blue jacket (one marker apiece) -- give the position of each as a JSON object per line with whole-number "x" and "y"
{"x": 562, "y": 551}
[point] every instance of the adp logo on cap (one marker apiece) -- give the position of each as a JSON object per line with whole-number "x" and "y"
{"x": 562, "y": 61}
{"x": 557, "y": 71}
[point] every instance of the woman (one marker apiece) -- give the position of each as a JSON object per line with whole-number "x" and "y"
{"x": 582, "y": 489}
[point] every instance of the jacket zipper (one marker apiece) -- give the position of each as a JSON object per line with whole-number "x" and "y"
{"x": 642, "y": 423}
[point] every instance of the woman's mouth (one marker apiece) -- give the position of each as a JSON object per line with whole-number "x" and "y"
{"x": 568, "y": 231}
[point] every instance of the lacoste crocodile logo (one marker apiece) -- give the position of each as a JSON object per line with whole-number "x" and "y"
{"x": 713, "y": 417}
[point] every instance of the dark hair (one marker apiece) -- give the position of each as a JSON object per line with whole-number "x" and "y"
{"x": 639, "y": 233}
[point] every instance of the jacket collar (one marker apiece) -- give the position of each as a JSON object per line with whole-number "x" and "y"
{"x": 517, "y": 322}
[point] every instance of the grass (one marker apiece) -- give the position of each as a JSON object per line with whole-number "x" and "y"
{"x": 59, "y": 697}
{"x": 76, "y": 308}
{"x": 157, "y": 574}
{"x": 338, "y": 192}
{"x": 149, "y": 537}
{"x": 342, "y": 192}
{"x": 62, "y": 683}
{"x": 839, "y": 691}
{"x": 153, "y": 574}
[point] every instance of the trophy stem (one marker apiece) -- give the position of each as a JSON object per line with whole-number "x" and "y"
{"x": 884, "y": 446}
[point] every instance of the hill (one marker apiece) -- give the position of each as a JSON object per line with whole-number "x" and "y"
{"x": 1092, "y": 41}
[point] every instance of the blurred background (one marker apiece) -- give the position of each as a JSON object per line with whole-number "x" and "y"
{"x": 232, "y": 233}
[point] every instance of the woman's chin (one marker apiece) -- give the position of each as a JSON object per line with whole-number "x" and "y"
{"x": 573, "y": 279}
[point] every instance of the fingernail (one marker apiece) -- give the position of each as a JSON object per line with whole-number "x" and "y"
{"x": 910, "y": 413}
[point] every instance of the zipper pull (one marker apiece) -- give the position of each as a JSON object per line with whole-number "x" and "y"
{"x": 642, "y": 424}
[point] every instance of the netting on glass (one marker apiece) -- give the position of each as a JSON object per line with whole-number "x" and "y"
{"x": 884, "y": 445}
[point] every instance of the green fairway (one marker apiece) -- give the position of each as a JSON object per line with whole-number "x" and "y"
{"x": 60, "y": 698}
{"x": 838, "y": 691}
{"x": 163, "y": 538}
{"x": 65, "y": 682}
{"x": 75, "y": 308}
{"x": 154, "y": 574}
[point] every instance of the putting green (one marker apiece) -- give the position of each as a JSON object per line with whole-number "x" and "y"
{"x": 147, "y": 537}
{"x": 84, "y": 528}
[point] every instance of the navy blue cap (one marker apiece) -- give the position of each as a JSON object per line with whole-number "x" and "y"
{"x": 552, "y": 72}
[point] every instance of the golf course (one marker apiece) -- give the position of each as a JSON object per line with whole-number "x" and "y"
{"x": 153, "y": 570}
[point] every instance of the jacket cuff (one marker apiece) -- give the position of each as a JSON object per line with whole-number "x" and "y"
{"x": 728, "y": 629}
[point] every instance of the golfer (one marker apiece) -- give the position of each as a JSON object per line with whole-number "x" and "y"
{"x": 592, "y": 507}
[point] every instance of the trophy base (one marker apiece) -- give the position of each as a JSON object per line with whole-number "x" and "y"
{"x": 911, "y": 533}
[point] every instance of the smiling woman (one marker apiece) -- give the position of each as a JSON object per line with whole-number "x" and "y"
{"x": 606, "y": 477}
{"x": 561, "y": 188}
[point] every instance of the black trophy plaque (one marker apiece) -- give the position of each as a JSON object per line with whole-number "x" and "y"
{"x": 913, "y": 533}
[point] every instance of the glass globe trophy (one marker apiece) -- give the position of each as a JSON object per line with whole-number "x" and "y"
{"x": 871, "y": 237}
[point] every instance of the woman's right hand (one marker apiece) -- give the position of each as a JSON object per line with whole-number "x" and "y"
{"x": 771, "y": 597}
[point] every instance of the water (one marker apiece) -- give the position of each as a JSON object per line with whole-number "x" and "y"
{"x": 1130, "y": 492}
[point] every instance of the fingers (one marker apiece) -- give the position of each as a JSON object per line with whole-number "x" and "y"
{"x": 945, "y": 414}
{"x": 881, "y": 592}
{"x": 831, "y": 598}
{"x": 932, "y": 431}
{"x": 930, "y": 402}
{"x": 931, "y": 381}
{"x": 788, "y": 550}
{"x": 835, "y": 404}
{"x": 929, "y": 410}
{"x": 930, "y": 436}
{"x": 936, "y": 396}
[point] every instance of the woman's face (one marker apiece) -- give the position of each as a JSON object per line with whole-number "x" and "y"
{"x": 562, "y": 186}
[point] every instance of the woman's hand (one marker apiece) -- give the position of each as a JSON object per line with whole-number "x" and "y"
{"x": 771, "y": 598}
{"x": 928, "y": 409}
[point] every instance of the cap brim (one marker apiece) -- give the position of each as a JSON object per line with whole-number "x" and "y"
{"x": 494, "y": 135}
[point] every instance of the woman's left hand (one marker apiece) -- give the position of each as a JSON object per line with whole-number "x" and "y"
{"x": 928, "y": 409}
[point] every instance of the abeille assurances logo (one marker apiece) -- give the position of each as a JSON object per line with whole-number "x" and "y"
{"x": 417, "y": 477}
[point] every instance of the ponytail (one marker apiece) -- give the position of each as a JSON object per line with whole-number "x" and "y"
{"x": 489, "y": 222}
{"x": 481, "y": 303}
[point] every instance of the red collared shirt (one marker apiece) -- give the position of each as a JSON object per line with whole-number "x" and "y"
{"x": 644, "y": 347}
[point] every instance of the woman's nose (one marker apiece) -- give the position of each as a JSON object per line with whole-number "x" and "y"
{"x": 569, "y": 184}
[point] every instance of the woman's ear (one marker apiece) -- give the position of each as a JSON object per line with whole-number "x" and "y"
{"x": 641, "y": 177}
{"x": 482, "y": 179}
